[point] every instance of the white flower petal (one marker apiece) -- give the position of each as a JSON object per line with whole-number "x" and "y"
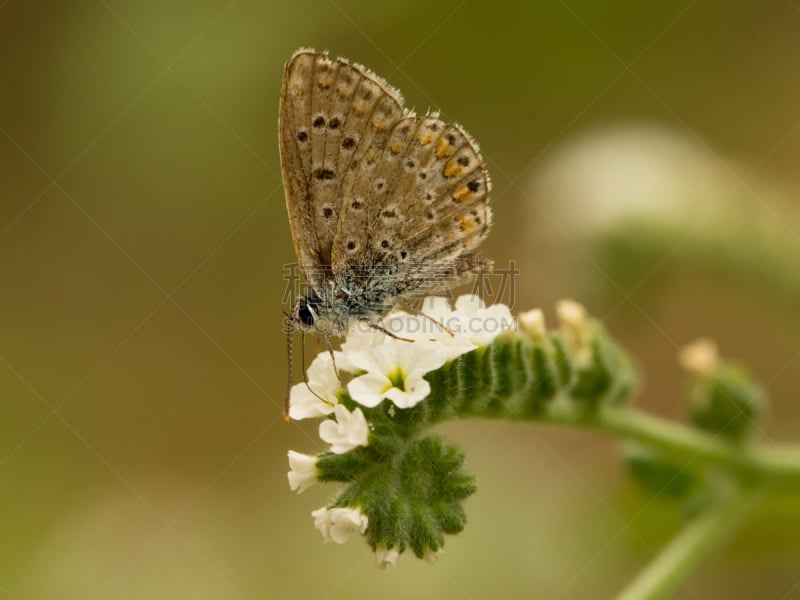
{"x": 469, "y": 304}
{"x": 532, "y": 321}
{"x": 374, "y": 361}
{"x": 303, "y": 472}
{"x": 360, "y": 337}
{"x": 385, "y": 556}
{"x": 431, "y": 557}
{"x": 339, "y": 524}
{"x": 574, "y": 322}
{"x": 305, "y": 405}
{"x": 420, "y": 357}
{"x": 480, "y": 325}
{"x": 369, "y": 389}
{"x": 417, "y": 389}
{"x": 318, "y": 398}
{"x": 446, "y": 326}
{"x": 349, "y": 431}
{"x": 409, "y": 327}
{"x": 435, "y": 306}
{"x": 571, "y": 314}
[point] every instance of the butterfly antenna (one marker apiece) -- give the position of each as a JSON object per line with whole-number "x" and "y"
{"x": 303, "y": 358}
{"x": 290, "y": 354}
{"x": 333, "y": 358}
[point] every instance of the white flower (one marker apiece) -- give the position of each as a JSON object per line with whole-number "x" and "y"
{"x": 384, "y": 556}
{"x": 432, "y": 556}
{"x": 571, "y": 314}
{"x": 700, "y": 357}
{"x": 339, "y": 524}
{"x": 408, "y": 326}
{"x": 359, "y": 337}
{"x": 574, "y": 320}
{"x": 318, "y": 398}
{"x": 395, "y": 370}
{"x": 446, "y": 326}
{"x": 348, "y": 431}
{"x": 481, "y": 324}
{"x": 629, "y": 173}
{"x": 303, "y": 472}
{"x": 436, "y": 306}
{"x": 532, "y": 321}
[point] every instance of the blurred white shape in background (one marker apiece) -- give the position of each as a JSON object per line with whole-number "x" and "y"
{"x": 632, "y": 172}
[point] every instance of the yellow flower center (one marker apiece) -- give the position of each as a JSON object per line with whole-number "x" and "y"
{"x": 397, "y": 379}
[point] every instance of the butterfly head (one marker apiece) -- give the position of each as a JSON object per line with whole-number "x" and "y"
{"x": 306, "y": 312}
{"x": 312, "y": 313}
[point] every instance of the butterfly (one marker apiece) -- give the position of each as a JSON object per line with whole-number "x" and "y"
{"x": 384, "y": 205}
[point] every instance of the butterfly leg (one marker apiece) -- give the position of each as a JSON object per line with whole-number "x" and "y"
{"x": 431, "y": 319}
{"x": 385, "y": 331}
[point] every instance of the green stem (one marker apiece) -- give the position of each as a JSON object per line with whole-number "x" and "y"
{"x": 780, "y": 465}
{"x": 670, "y": 567}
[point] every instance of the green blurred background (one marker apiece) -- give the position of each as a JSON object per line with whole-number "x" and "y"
{"x": 644, "y": 160}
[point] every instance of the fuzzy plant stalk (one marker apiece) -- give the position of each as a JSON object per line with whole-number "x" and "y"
{"x": 402, "y": 486}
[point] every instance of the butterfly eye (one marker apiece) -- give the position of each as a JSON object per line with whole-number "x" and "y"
{"x": 304, "y": 313}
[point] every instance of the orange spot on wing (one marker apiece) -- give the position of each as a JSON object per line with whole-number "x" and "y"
{"x": 443, "y": 148}
{"x": 379, "y": 123}
{"x": 462, "y": 194}
{"x": 359, "y": 108}
{"x": 425, "y": 138}
{"x": 397, "y": 146}
{"x": 467, "y": 224}
{"x": 451, "y": 169}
